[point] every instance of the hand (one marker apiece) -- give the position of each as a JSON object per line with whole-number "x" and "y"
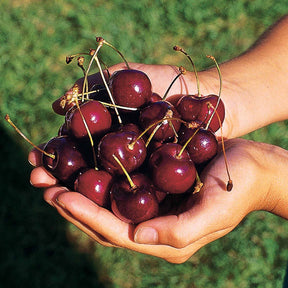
{"x": 209, "y": 215}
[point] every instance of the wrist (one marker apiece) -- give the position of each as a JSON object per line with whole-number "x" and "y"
{"x": 277, "y": 197}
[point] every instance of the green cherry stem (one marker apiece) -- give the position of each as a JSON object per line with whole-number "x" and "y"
{"x": 7, "y": 118}
{"x": 220, "y": 90}
{"x": 180, "y": 49}
{"x": 131, "y": 183}
{"x": 182, "y": 71}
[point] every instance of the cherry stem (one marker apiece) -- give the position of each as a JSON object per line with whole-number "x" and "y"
{"x": 198, "y": 184}
{"x": 131, "y": 145}
{"x": 220, "y": 89}
{"x": 106, "y": 86}
{"x": 229, "y": 185}
{"x": 119, "y": 106}
{"x": 187, "y": 142}
{"x": 85, "y": 84}
{"x": 80, "y": 61}
{"x": 131, "y": 183}
{"x": 153, "y": 133}
{"x": 182, "y": 71}
{"x": 100, "y": 39}
{"x": 71, "y": 57}
{"x": 89, "y": 135}
{"x": 178, "y": 48}
{"x": 7, "y": 118}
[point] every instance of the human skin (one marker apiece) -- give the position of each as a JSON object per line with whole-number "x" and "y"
{"x": 254, "y": 92}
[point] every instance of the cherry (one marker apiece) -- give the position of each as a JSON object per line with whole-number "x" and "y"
{"x": 134, "y": 204}
{"x": 99, "y": 93}
{"x": 202, "y": 145}
{"x": 193, "y": 108}
{"x": 156, "y": 111}
{"x": 63, "y": 130}
{"x": 172, "y": 169}
{"x": 95, "y": 185}
{"x": 67, "y": 161}
{"x": 96, "y": 116}
{"x": 64, "y": 103}
{"x": 130, "y": 150}
{"x": 131, "y": 127}
{"x": 207, "y": 110}
{"x": 131, "y": 88}
{"x": 154, "y": 98}
{"x": 189, "y": 106}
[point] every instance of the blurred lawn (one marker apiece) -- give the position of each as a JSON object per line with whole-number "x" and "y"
{"x": 39, "y": 249}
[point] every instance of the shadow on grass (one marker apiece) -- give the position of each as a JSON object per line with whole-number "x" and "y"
{"x": 34, "y": 249}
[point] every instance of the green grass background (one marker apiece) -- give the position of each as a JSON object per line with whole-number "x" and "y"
{"x": 40, "y": 249}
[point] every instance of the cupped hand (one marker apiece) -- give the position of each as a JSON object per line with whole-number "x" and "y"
{"x": 209, "y": 214}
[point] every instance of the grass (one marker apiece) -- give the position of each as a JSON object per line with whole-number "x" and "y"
{"x": 39, "y": 248}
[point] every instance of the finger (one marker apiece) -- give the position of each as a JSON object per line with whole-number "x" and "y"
{"x": 50, "y": 196}
{"x": 212, "y": 209}
{"x": 40, "y": 178}
{"x": 185, "y": 229}
{"x": 35, "y": 156}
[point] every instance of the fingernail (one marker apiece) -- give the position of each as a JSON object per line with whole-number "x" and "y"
{"x": 146, "y": 235}
{"x": 61, "y": 204}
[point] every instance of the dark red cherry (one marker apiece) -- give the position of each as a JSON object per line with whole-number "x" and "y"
{"x": 63, "y": 130}
{"x": 203, "y": 145}
{"x": 189, "y": 106}
{"x": 130, "y": 127}
{"x": 207, "y": 109}
{"x": 97, "y": 118}
{"x": 68, "y": 159}
{"x": 126, "y": 147}
{"x": 197, "y": 109}
{"x": 172, "y": 172}
{"x": 99, "y": 93}
{"x": 137, "y": 204}
{"x": 154, "y": 98}
{"x": 95, "y": 185}
{"x": 63, "y": 104}
{"x": 130, "y": 88}
{"x": 155, "y": 112}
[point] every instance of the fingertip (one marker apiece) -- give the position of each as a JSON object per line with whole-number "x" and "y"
{"x": 146, "y": 235}
{"x": 51, "y": 194}
{"x": 40, "y": 178}
{"x": 35, "y": 156}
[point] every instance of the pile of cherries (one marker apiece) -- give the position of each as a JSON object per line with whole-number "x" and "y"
{"x": 127, "y": 148}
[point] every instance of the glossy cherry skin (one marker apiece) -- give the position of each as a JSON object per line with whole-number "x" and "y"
{"x": 170, "y": 172}
{"x": 130, "y": 88}
{"x": 203, "y": 145}
{"x": 120, "y": 144}
{"x": 130, "y": 127}
{"x": 157, "y": 111}
{"x": 154, "y": 98}
{"x": 96, "y": 115}
{"x": 134, "y": 205}
{"x": 193, "y": 108}
{"x": 100, "y": 93}
{"x": 68, "y": 159}
{"x": 207, "y": 109}
{"x": 95, "y": 185}
{"x": 189, "y": 106}
{"x": 61, "y": 105}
